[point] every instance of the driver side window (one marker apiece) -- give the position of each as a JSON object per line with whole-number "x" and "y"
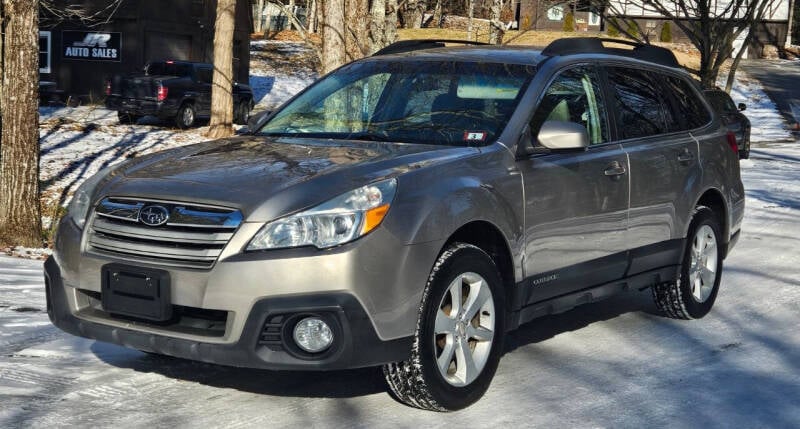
{"x": 574, "y": 96}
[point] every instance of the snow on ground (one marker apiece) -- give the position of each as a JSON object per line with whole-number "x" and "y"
{"x": 610, "y": 364}
{"x": 767, "y": 124}
{"x": 278, "y": 70}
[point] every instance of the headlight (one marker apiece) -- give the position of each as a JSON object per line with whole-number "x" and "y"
{"x": 82, "y": 199}
{"x": 338, "y": 221}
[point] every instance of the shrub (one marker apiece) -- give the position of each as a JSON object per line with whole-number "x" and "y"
{"x": 633, "y": 29}
{"x": 612, "y": 30}
{"x": 666, "y": 33}
{"x": 569, "y": 22}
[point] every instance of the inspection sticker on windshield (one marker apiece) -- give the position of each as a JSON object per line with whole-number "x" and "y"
{"x": 474, "y": 136}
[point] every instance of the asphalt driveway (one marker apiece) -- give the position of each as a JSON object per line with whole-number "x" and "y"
{"x": 781, "y": 81}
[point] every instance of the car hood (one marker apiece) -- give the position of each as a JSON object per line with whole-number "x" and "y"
{"x": 268, "y": 177}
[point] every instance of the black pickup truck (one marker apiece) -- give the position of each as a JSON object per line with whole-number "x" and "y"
{"x": 174, "y": 90}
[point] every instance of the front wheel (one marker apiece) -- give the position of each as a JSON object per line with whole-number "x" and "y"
{"x": 694, "y": 293}
{"x": 242, "y": 113}
{"x": 459, "y": 335}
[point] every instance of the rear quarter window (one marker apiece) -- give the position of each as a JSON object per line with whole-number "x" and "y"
{"x": 691, "y": 110}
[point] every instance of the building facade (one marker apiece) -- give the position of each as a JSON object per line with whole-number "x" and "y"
{"x": 772, "y": 30}
{"x": 78, "y": 57}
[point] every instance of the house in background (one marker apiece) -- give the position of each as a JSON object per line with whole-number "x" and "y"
{"x": 549, "y": 15}
{"x": 78, "y": 58}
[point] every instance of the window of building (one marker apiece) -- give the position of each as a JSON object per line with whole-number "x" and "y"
{"x": 45, "y": 48}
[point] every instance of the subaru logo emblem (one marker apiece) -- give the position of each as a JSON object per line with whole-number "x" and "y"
{"x": 153, "y": 215}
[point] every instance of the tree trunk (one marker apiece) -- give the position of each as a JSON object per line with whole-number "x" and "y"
{"x": 377, "y": 25}
{"x": 20, "y": 217}
{"x": 258, "y": 9}
{"x": 357, "y": 43}
{"x": 311, "y": 17}
{"x": 333, "y": 39}
{"x": 437, "y": 15}
{"x": 412, "y": 13}
{"x": 291, "y": 8}
{"x": 496, "y": 27}
{"x": 471, "y": 12}
{"x": 221, "y": 124}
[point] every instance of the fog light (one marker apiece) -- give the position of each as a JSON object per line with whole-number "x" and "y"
{"x": 313, "y": 335}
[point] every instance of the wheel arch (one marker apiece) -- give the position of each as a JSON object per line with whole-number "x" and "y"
{"x": 714, "y": 200}
{"x": 489, "y": 238}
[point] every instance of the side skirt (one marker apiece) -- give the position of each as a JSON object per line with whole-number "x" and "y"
{"x": 569, "y": 301}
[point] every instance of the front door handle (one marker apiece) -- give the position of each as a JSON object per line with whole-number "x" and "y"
{"x": 686, "y": 156}
{"x": 615, "y": 170}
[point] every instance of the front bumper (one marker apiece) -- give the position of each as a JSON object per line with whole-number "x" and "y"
{"x": 372, "y": 287}
{"x": 264, "y": 342}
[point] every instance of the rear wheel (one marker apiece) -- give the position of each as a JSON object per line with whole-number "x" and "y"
{"x": 186, "y": 116}
{"x": 459, "y": 335}
{"x": 694, "y": 293}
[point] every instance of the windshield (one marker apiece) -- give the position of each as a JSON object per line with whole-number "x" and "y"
{"x": 430, "y": 102}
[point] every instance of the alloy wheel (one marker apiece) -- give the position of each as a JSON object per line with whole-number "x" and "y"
{"x": 464, "y": 329}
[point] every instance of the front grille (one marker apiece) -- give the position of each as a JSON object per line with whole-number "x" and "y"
{"x": 179, "y": 234}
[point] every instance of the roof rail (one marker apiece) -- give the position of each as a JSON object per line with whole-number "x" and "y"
{"x": 413, "y": 45}
{"x": 594, "y": 45}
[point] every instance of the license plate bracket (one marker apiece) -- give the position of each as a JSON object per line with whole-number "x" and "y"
{"x": 142, "y": 293}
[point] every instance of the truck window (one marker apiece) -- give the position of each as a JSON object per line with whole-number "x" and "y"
{"x": 167, "y": 69}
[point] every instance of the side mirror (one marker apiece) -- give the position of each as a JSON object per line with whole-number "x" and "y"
{"x": 561, "y": 135}
{"x": 742, "y": 107}
{"x": 256, "y": 120}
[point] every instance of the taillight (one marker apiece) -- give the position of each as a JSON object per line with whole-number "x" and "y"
{"x": 162, "y": 93}
{"x": 732, "y": 142}
{"x": 108, "y": 87}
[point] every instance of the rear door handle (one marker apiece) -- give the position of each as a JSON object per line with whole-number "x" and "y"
{"x": 614, "y": 170}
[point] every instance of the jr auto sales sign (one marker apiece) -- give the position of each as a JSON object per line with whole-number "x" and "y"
{"x": 92, "y": 46}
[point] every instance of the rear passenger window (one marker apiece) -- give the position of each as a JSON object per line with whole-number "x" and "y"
{"x": 640, "y": 110}
{"x": 574, "y": 96}
{"x": 692, "y": 110}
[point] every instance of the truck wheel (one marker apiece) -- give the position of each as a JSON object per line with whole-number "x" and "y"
{"x": 242, "y": 113}
{"x": 459, "y": 335}
{"x": 694, "y": 293}
{"x": 186, "y": 116}
{"x": 127, "y": 118}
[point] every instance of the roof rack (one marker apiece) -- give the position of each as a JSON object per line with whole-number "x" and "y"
{"x": 594, "y": 45}
{"x": 413, "y": 45}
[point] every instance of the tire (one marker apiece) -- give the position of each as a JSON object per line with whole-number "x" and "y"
{"x": 419, "y": 381}
{"x": 186, "y": 116}
{"x": 127, "y": 118}
{"x": 242, "y": 113}
{"x": 694, "y": 293}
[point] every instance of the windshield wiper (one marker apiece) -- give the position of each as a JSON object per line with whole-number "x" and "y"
{"x": 370, "y": 136}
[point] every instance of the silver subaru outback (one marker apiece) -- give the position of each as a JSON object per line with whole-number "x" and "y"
{"x": 408, "y": 210}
